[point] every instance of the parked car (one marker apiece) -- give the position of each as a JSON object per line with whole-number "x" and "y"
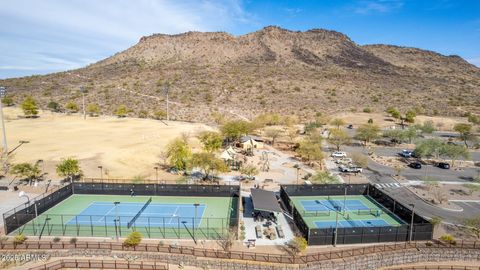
{"x": 345, "y": 161}
{"x": 343, "y": 168}
{"x": 355, "y": 169}
{"x": 443, "y": 165}
{"x": 338, "y": 154}
{"x": 406, "y": 153}
{"x": 415, "y": 165}
{"x": 350, "y": 126}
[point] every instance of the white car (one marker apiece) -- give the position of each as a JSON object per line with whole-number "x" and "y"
{"x": 345, "y": 161}
{"x": 339, "y": 154}
{"x": 355, "y": 169}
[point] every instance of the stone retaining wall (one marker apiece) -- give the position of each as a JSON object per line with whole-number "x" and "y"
{"x": 364, "y": 262}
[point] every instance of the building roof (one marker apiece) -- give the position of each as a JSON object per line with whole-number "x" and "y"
{"x": 264, "y": 200}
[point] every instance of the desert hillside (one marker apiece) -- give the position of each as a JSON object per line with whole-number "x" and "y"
{"x": 272, "y": 69}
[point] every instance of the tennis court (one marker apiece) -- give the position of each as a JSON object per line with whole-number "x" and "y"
{"x": 153, "y": 216}
{"x": 351, "y": 211}
{"x": 156, "y": 214}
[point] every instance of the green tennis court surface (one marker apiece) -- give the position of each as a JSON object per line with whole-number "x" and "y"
{"x": 353, "y": 211}
{"x": 160, "y": 217}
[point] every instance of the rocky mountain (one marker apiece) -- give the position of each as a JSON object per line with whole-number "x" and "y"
{"x": 271, "y": 70}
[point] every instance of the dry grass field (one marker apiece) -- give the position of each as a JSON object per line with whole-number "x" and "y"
{"x": 125, "y": 147}
{"x": 441, "y": 123}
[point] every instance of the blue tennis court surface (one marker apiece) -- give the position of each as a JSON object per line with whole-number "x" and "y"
{"x": 161, "y": 215}
{"x": 333, "y": 205}
{"x": 352, "y": 223}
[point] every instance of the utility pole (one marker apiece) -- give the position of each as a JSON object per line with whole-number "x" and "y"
{"x": 166, "y": 88}
{"x": 411, "y": 222}
{"x": 84, "y": 91}
{"x": 3, "y": 92}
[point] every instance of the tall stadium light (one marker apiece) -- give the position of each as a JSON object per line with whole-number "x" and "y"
{"x": 156, "y": 173}
{"x": 101, "y": 173}
{"x": 24, "y": 195}
{"x": 194, "y": 219}
{"x": 411, "y": 222}
{"x": 117, "y": 219}
{"x": 83, "y": 91}
{"x": 3, "y": 92}
{"x": 166, "y": 89}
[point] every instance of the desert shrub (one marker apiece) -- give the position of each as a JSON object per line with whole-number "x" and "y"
{"x": 56, "y": 239}
{"x": 73, "y": 240}
{"x": 448, "y": 238}
{"x": 367, "y": 110}
{"x": 19, "y": 239}
{"x": 133, "y": 239}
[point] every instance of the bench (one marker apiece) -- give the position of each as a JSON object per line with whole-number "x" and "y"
{"x": 258, "y": 231}
{"x": 280, "y": 232}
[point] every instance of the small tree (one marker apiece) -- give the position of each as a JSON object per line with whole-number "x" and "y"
{"x": 93, "y": 109}
{"x": 273, "y": 133}
{"x": 410, "y": 116}
{"x": 337, "y": 122}
{"x": 226, "y": 240}
{"x": 453, "y": 152}
{"x": 133, "y": 239}
{"x": 28, "y": 171}
{"x": 69, "y": 168}
{"x": 178, "y": 153}
{"x": 297, "y": 245}
{"x": 338, "y": 137}
{"x": 472, "y": 225}
{"x": 54, "y": 106}
{"x": 360, "y": 159}
{"x": 208, "y": 163}
{"x": 29, "y": 107}
{"x": 249, "y": 171}
{"x": 72, "y": 107}
{"x": 233, "y": 130}
{"x": 121, "y": 111}
{"x": 367, "y": 133}
{"x": 324, "y": 177}
{"x": 212, "y": 141}
{"x": 310, "y": 150}
{"x": 395, "y": 135}
{"x": 7, "y": 101}
{"x": 465, "y": 131}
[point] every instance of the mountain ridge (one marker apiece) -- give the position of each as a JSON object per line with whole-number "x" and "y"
{"x": 272, "y": 69}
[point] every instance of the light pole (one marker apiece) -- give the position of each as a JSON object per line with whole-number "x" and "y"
{"x": 22, "y": 194}
{"x": 298, "y": 169}
{"x": 411, "y": 222}
{"x": 156, "y": 173}
{"x": 83, "y": 91}
{"x": 3, "y": 91}
{"x": 101, "y": 172}
{"x": 116, "y": 219}
{"x": 194, "y": 219}
{"x": 336, "y": 229}
{"x": 166, "y": 89}
{"x": 344, "y": 198}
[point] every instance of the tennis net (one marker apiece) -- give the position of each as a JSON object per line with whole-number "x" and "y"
{"x": 131, "y": 222}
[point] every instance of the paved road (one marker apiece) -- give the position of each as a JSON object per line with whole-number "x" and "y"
{"x": 380, "y": 174}
{"x": 464, "y": 175}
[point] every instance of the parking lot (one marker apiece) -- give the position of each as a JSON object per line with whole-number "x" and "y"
{"x": 468, "y": 206}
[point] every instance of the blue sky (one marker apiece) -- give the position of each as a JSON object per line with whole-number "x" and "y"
{"x": 39, "y": 37}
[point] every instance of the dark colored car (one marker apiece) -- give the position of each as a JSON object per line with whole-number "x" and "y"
{"x": 415, "y": 165}
{"x": 350, "y": 126}
{"x": 443, "y": 165}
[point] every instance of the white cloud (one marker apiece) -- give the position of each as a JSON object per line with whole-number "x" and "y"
{"x": 377, "y": 6}
{"x": 59, "y": 35}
